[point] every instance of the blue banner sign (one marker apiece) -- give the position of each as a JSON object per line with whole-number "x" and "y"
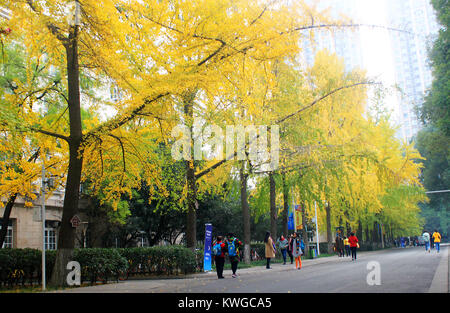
{"x": 207, "y": 254}
{"x": 291, "y": 225}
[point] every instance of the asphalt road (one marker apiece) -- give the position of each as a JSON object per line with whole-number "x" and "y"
{"x": 409, "y": 270}
{"x": 400, "y": 270}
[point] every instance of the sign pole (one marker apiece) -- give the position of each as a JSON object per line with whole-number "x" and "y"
{"x": 317, "y": 229}
{"x": 207, "y": 248}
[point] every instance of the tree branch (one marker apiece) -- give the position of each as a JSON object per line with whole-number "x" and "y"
{"x": 49, "y": 133}
{"x": 52, "y": 28}
{"x": 216, "y": 165}
{"x": 322, "y": 98}
{"x": 113, "y": 124}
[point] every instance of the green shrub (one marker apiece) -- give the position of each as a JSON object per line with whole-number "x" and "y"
{"x": 100, "y": 264}
{"x": 159, "y": 260}
{"x": 21, "y": 266}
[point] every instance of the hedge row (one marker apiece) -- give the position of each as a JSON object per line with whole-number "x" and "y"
{"x": 23, "y": 266}
{"x": 101, "y": 264}
{"x": 167, "y": 260}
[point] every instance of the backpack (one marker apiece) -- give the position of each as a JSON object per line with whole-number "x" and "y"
{"x": 232, "y": 248}
{"x": 217, "y": 250}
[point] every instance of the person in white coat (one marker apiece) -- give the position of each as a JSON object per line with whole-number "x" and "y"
{"x": 426, "y": 239}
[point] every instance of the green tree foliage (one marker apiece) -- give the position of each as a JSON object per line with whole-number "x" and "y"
{"x": 435, "y": 109}
{"x": 433, "y": 140}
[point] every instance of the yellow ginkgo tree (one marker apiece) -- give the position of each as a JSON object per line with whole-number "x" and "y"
{"x": 156, "y": 53}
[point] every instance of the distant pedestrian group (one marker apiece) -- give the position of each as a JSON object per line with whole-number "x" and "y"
{"x": 428, "y": 239}
{"x": 344, "y": 247}
{"x": 292, "y": 246}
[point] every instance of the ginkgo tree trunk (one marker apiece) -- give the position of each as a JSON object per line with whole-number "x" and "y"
{"x": 66, "y": 236}
{"x": 243, "y": 178}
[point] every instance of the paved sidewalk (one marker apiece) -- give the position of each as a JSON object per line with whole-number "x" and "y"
{"x": 442, "y": 276}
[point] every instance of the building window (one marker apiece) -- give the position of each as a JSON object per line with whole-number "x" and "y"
{"x": 50, "y": 236}
{"x": 9, "y": 239}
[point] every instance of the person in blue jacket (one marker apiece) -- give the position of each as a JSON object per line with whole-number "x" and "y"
{"x": 283, "y": 244}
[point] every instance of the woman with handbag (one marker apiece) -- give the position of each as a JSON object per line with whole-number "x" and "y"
{"x": 353, "y": 241}
{"x": 297, "y": 250}
{"x": 270, "y": 248}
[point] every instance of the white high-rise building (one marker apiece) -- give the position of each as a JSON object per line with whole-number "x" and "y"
{"x": 410, "y": 59}
{"x": 345, "y": 43}
{"x": 394, "y": 52}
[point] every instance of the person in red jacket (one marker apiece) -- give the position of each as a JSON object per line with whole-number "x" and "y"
{"x": 353, "y": 241}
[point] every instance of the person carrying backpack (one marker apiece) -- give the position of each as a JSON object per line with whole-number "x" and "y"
{"x": 218, "y": 251}
{"x": 232, "y": 246}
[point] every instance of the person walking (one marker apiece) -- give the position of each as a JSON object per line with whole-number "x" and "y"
{"x": 346, "y": 246}
{"x": 297, "y": 250}
{"x": 269, "y": 249}
{"x": 232, "y": 246}
{"x": 426, "y": 239}
{"x": 291, "y": 256}
{"x": 353, "y": 241}
{"x": 283, "y": 244}
{"x": 437, "y": 240}
{"x": 339, "y": 246}
{"x": 218, "y": 251}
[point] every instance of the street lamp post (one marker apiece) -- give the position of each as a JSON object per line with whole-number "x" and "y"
{"x": 43, "y": 224}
